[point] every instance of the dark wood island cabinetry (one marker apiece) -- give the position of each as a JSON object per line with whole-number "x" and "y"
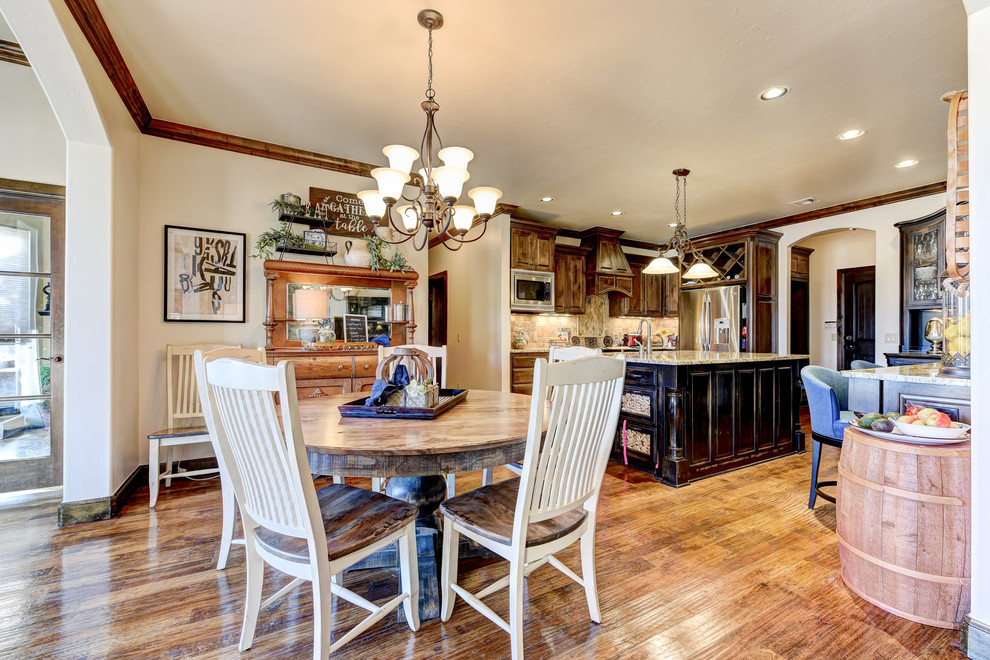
{"x": 688, "y": 415}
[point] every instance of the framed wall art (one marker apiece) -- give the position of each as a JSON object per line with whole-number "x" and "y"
{"x": 204, "y": 275}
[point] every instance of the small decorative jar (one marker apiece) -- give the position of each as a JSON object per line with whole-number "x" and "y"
{"x": 956, "y": 328}
{"x": 327, "y": 336}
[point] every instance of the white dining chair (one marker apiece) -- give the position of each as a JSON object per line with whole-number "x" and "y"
{"x": 556, "y": 355}
{"x": 438, "y": 356}
{"x": 229, "y": 502}
{"x": 289, "y": 525}
{"x": 553, "y": 504}
{"x": 184, "y": 417}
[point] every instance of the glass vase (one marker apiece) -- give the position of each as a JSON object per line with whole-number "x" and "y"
{"x": 956, "y": 328}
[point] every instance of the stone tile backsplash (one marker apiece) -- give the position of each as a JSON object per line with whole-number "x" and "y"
{"x": 595, "y": 322}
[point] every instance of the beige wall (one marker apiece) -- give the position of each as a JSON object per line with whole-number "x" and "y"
{"x": 32, "y": 146}
{"x": 477, "y": 307}
{"x": 193, "y": 186}
{"x": 832, "y": 251}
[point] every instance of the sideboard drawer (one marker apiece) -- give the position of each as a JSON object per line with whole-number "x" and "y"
{"x": 328, "y": 387}
{"x": 323, "y": 366}
{"x": 365, "y": 366}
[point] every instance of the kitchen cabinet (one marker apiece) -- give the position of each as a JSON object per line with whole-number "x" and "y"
{"x": 922, "y": 263}
{"x": 522, "y": 365}
{"x": 531, "y": 246}
{"x": 671, "y": 295}
{"x": 569, "y": 283}
{"x": 801, "y": 263}
{"x": 647, "y": 293}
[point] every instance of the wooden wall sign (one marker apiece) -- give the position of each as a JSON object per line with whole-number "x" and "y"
{"x": 344, "y": 212}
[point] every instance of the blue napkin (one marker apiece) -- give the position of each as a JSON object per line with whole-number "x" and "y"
{"x": 381, "y": 389}
{"x": 382, "y": 340}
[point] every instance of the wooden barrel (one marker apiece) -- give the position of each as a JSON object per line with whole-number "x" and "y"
{"x": 903, "y": 525}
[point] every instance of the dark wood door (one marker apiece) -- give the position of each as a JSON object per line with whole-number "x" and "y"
{"x": 438, "y": 309}
{"x": 800, "y": 318}
{"x": 857, "y": 289}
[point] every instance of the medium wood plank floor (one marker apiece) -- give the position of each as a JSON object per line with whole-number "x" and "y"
{"x": 734, "y": 566}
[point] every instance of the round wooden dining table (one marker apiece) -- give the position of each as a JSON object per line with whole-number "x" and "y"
{"x": 486, "y": 430}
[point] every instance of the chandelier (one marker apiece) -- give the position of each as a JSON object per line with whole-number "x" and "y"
{"x": 434, "y": 207}
{"x": 680, "y": 244}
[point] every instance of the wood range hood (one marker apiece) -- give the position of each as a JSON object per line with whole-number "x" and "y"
{"x": 607, "y": 270}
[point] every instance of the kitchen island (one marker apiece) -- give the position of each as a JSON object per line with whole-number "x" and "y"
{"x": 687, "y": 415}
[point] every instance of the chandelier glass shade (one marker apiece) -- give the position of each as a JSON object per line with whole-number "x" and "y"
{"x": 680, "y": 244}
{"x": 434, "y": 207}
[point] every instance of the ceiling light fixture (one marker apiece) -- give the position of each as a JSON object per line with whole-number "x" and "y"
{"x": 546, "y": 199}
{"x": 680, "y": 243}
{"x": 910, "y": 162}
{"x": 671, "y": 224}
{"x": 435, "y": 206}
{"x": 805, "y": 201}
{"x": 775, "y": 92}
{"x": 851, "y": 134}
{"x": 616, "y": 213}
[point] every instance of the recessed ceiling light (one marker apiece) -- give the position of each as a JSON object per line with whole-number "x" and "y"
{"x": 775, "y": 92}
{"x": 851, "y": 134}
{"x": 546, "y": 199}
{"x": 805, "y": 201}
{"x": 910, "y": 162}
{"x": 616, "y": 213}
{"x": 671, "y": 224}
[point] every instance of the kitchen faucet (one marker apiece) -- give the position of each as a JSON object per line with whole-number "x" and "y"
{"x": 649, "y": 338}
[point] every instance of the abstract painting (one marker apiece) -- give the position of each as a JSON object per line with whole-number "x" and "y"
{"x": 204, "y": 275}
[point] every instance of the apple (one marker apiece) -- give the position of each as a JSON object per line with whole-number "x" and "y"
{"x": 907, "y": 419}
{"x": 953, "y": 425}
{"x": 919, "y": 422}
{"x": 941, "y": 420}
{"x": 925, "y": 413}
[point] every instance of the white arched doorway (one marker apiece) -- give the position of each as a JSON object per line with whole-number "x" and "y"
{"x": 92, "y": 368}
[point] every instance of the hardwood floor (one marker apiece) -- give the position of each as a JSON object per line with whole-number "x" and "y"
{"x": 735, "y": 566}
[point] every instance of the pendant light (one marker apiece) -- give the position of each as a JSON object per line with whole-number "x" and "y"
{"x": 680, "y": 244}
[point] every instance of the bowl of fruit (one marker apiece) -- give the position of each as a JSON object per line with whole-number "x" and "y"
{"x": 929, "y": 423}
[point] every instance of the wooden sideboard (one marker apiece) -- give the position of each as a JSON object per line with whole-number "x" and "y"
{"x": 347, "y": 367}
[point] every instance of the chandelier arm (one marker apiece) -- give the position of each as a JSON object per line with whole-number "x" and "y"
{"x": 451, "y": 243}
{"x": 394, "y": 227}
{"x": 377, "y": 235}
{"x": 484, "y": 228}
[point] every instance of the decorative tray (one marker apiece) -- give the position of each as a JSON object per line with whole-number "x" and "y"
{"x": 448, "y": 399}
{"x": 897, "y": 436}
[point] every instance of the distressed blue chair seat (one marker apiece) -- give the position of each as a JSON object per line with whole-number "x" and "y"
{"x": 828, "y": 400}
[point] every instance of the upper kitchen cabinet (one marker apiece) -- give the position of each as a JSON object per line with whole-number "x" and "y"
{"x": 606, "y": 268}
{"x": 532, "y": 246}
{"x": 569, "y": 284}
{"x": 647, "y": 293}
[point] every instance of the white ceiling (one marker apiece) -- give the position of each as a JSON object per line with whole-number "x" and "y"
{"x": 593, "y": 103}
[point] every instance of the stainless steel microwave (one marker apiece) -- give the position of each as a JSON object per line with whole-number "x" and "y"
{"x": 532, "y": 291}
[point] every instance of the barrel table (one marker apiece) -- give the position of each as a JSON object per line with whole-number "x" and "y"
{"x": 903, "y": 526}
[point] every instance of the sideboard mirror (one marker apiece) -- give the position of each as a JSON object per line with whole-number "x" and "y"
{"x": 384, "y": 297}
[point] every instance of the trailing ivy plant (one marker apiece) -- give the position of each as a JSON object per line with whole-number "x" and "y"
{"x": 287, "y": 208}
{"x": 397, "y": 263}
{"x": 282, "y": 236}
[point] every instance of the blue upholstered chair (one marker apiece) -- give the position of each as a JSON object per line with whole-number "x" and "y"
{"x": 828, "y": 398}
{"x": 863, "y": 364}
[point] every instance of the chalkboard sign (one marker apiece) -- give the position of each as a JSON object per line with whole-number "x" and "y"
{"x": 355, "y": 327}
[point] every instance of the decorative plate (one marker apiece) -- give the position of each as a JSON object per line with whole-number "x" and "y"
{"x": 591, "y": 342}
{"x": 575, "y": 341}
{"x": 607, "y": 341}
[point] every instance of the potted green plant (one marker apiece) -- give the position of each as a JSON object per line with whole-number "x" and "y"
{"x": 288, "y": 204}
{"x": 282, "y": 236}
{"x": 377, "y": 247}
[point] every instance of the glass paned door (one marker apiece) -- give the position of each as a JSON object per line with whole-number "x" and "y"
{"x": 30, "y": 345}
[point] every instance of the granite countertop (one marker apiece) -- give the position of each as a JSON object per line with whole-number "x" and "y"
{"x": 711, "y": 357}
{"x": 611, "y": 349}
{"x": 927, "y": 373}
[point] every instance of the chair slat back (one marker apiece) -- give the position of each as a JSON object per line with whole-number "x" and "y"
{"x": 571, "y": 353}
{"x": 565, "y": 469}
{"x": 435, "y": 353}
{"x": 268, "y": 468}
{"x": 182, "y": 397}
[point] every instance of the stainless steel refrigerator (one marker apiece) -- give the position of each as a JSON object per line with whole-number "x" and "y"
{"x": 711, "y": 319}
